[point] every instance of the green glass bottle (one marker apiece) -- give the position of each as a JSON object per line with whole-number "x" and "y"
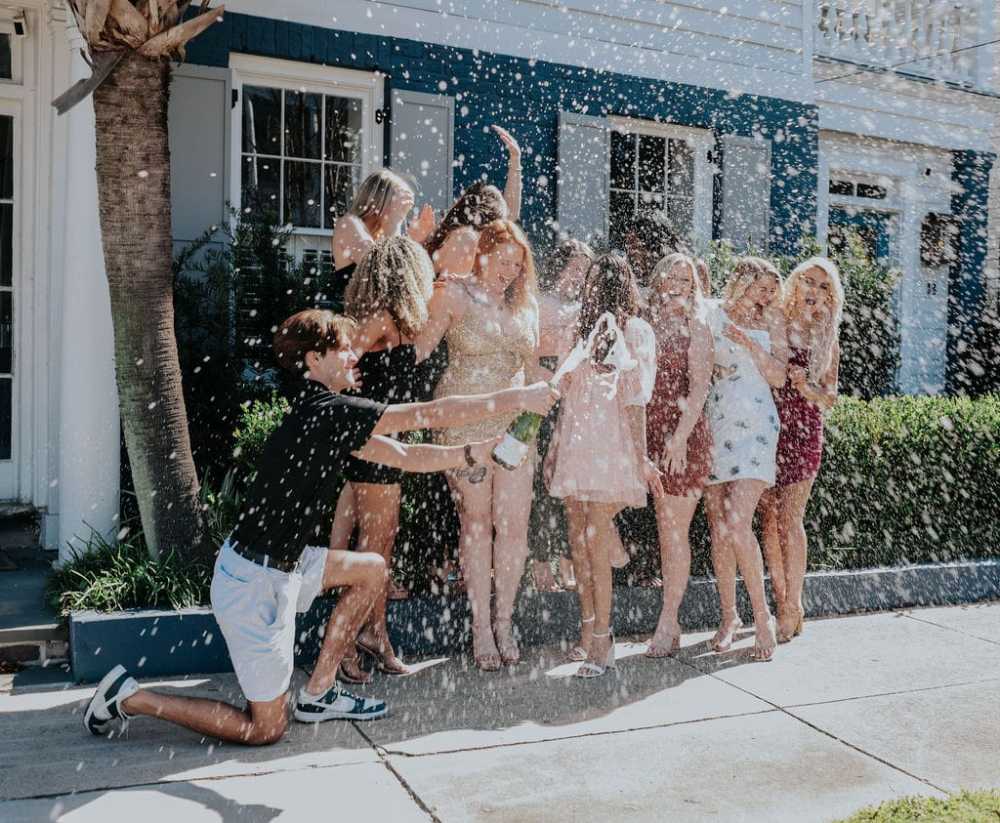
{"x": 513, "y": 450}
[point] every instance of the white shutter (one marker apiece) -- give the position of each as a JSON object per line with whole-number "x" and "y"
{"x": 423, "y": 128}
{"x": 197, "y": 117}
{"x": 584, "y": 150}
{"x": 746, "y": 191}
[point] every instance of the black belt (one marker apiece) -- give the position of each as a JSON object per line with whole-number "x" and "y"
{"x": 266, "y": 560}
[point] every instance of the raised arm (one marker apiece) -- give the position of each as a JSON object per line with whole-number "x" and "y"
{"x": 351, "y": 241}
{"x": 512, "y": 190}
{"x": 448, "y": 412}
{"x": 445, "y": 306}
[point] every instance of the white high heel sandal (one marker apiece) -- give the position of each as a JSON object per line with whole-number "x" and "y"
{"x": 578, "y": 654}
{"x": 588, "y": 669}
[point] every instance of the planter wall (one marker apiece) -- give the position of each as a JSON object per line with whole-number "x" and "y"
{"x": 171, "y": 643}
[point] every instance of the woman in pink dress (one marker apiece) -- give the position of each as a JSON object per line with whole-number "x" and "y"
{"x": 598, "y": 462}
{"x": 812, "y": 301}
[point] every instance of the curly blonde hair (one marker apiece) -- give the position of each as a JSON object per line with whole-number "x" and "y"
{"x": 524, "y": 290}
{"x": 821, "y": 354}
{"x": 394, "y": 276}
{"x": 746, "y": 272}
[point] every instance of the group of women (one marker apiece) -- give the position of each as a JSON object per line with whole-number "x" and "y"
{"x": 665, "y": 391}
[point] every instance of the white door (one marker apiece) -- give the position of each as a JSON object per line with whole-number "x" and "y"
{"x": 924, "y": 332}
{"x": 9, "y": 277}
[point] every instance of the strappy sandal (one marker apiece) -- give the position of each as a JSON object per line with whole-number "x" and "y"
{"x": 578, "y": 654}
{"x": 723, "y": 640}
{"x": 350, "y": 671}
{"x": 385, "y": 663}
{"x": 588, "y": 669}
{"x": 656, "y": 651}
{"x": 765, "y": 654}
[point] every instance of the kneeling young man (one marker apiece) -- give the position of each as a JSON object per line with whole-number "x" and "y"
{"x": 276, "y": 562}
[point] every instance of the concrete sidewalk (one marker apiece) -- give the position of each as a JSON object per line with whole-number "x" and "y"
{"x": 856, "y": 711}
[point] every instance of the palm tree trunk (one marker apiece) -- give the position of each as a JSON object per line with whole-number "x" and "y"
{"x": 133, "y": 177}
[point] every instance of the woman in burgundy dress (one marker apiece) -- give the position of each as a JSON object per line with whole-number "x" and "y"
{"x": 812, "y": 301}
{"x": 678, "y": 438}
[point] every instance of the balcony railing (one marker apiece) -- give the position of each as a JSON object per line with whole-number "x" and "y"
{"x": 929, "y": 38}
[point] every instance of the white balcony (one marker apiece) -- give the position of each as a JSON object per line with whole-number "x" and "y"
{"x": 926, "y": 38}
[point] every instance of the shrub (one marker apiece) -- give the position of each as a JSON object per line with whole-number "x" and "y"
{"x": 963, "y": 807}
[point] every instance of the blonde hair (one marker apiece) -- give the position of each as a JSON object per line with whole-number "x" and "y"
{"x": 394, "y": 276}
{"x": 375, "y": 192}
{"x": 663, "y": 267}
{"x": 524, "y": 290}
{"x": 820, "y": 354}
{"x": 746, "y": 272}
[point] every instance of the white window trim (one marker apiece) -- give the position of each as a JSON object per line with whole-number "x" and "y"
{"x": 369, "y": 87}
{"x": 16, "y": 49}
{"x": 702, "y": 142}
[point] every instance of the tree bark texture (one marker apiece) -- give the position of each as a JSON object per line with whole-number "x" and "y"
{"x": 133, "y": 179}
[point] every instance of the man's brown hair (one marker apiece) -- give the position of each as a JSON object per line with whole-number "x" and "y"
{"x": 317, "y": 330}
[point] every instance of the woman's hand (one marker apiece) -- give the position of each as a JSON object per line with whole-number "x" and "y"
{"x": 651, "y": 477}
{"x": 675, "y": 458}
{"x": 513, "y": 149}
{"x": 420, "y": 229}
{"x": 483, "y": 449}
{"x": 798, "y": 378}
{"x": 738, "y": 336}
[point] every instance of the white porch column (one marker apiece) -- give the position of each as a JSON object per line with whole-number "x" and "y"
{"x": 88, "y": 402}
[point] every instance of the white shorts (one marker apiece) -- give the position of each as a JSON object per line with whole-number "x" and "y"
{"x": 255, "y": 608}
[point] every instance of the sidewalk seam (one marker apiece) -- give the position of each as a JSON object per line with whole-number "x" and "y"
{"x": 892, "y": 694}
{"x": 383, "y": 756}
{"x": 926, "y": 622}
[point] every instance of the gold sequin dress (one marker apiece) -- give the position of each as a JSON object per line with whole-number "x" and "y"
{"x": 482, "y": 358}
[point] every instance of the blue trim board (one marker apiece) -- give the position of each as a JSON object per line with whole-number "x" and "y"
{"x": 169, "y": 644}
{"x": 527, "y": 95}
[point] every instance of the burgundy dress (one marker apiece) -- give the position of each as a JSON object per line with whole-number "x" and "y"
{"x": 663, "y": 413}
{"x": 800, "y": 444}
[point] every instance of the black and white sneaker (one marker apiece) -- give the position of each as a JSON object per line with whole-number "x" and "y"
{"x": 116, "y": 687}
{"x": 337, "y": 704}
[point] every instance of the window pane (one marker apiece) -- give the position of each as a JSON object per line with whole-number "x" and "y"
{"x": 622, "y": 160}
{"x": 871, "y": 190}
{"x": 652, "y": 160}
{"x": 343, "y": 129}
{"x": 622, "y": 206}
{"x": 6, "y": 244}
{"x": 6, "y": 332}
{"x": 341, "y": 184}
{"x": 680, "y": 216}
{"x": 261, "y": 183}
{"x": 650, "y": 202}
{"x": 302, "y": 124}
{"x": 302, "y": 207}
{"x": 841, "y": 187}
{"x": 6, "y": 64}
{"x": 6, "y": 418}
{"x": 261, "y": 120}
{"x": 6, "y": 157}
{"x": 681, "y": 168}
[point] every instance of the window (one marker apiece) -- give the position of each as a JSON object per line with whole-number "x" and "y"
{"x": 850, "y": 188}
{"x": 304, "y": 138}
{"x": 6, "y": 58}
{"x": 660, "y": 168}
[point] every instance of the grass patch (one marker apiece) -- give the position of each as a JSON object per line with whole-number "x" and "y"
{"x": 964, "y": 807}
{"x": 108, "y": 577}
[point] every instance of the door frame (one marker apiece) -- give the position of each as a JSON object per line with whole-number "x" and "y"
{"x": 11, "y": 470}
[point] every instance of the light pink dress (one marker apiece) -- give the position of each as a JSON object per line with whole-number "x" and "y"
{"x": 596, "y": 459}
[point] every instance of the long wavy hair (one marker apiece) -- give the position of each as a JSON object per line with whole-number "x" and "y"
{"x": 522, "y": 293}
{"x": 480, "y": 204}
{"x": 557, "y": 261}
{"x": 394, "y": 276}
{"x": 746, "y": 272}
{"x": 662, "y": 268}
{"x": 821, "y": 353}
{"x": 375, "y": 192}
{"x": 609, "y": 287}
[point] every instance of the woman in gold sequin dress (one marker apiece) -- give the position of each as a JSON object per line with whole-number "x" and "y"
{"x": 490, "y": 320}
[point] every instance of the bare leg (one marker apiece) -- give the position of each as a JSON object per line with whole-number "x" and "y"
{"x": 567, "y": 573}
{"x": 260, "y": 724}
{"x": 601, "y": 537}
{"x": 791, "y": 523}
{"x": 673, "y": 522}
{"x": 724, "y": 565}
{"x": 378, "y": 516}
{"x": 743, "y": 498}
{"x": 541, "y": 574}
{"x": 511, "y": 511}
{"x": 576, "y": 520}
{"x": 769, "y": 506}
{"x": 363, "y": 576}
{"x": 475, "y": 553}
{"x": 344, "y": 522}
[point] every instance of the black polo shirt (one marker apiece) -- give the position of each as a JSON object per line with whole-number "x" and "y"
{"x": 300, "y": 472}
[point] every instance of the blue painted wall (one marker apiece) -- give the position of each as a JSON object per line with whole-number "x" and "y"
{"x": 971, "y": 171}
{"x": 527, "y": 95}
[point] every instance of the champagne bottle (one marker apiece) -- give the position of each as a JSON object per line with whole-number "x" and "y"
{"x": 513, "y": 450}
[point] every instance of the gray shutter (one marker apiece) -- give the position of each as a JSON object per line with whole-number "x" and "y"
{"x": 746, "y": 191}
{"x": 423, "y": 129}
{"x": 584, "y": 147}
{"x": 197, "y": 120}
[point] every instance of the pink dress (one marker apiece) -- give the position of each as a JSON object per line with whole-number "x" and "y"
{"x": 596, "y": 458}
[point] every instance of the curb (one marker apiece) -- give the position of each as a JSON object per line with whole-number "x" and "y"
{"x": 170, "y": 643}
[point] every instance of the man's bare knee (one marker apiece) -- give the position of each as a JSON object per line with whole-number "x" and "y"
{"x": 266, "y": 735}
